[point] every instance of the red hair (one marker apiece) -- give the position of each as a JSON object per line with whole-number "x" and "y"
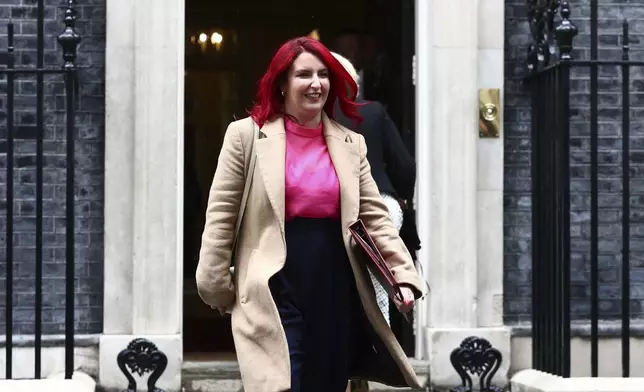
{"x": 269, "y": 101}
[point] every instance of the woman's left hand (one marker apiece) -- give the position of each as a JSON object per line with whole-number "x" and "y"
{"x": 408, "y": 300}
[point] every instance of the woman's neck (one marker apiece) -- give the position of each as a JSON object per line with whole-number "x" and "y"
{"x": 306, "y": 121}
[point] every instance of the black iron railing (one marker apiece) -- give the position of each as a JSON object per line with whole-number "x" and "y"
{"x": 550, "y": 208}
{"x": 550, "y": 67}
{"x": 69, "y": 41}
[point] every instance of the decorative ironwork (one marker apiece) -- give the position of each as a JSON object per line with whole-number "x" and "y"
{"x": 541, "y": 16}
{"x": 551, "y": 142}
{"x": 14, "y": 74}
{"x": 565, "y": 33}
{"x": 550, "y": 43}
{"x": 69, "y": 39}
{"x": 142, "y": 356}
{"x": 476, "y": 356}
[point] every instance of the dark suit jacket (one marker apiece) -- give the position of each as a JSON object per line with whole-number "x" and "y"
{"x": 392, "y": 167}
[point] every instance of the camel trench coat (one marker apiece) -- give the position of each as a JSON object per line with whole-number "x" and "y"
{"x": 259, "y": 338}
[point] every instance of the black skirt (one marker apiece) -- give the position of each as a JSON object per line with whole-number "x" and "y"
{"x": 318, "y": 302}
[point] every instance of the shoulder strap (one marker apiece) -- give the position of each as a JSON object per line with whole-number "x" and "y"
{"x": 249, "y": 180}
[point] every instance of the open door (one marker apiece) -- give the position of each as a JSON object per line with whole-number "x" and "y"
{"x": 388, "y": 55}
{"x": 397, "y": 92}
{"x": 407, "y": 127}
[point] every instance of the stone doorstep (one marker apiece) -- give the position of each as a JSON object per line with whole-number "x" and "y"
{"x": 224, "y": 376}
{"x": 80, "y": 382}
{"x": 45, "y": 385}
{"x": 536, "y": 381}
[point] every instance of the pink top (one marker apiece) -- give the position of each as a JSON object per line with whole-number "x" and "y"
{"x": 312, "y": 189}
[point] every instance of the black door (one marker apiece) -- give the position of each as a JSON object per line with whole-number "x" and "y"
{"x": 388, "y": 79}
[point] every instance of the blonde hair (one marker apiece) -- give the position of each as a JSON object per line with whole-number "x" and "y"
{"x": 348, "y": 66}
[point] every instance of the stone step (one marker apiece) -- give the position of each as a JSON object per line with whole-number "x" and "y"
{"x": 224, "y": 376}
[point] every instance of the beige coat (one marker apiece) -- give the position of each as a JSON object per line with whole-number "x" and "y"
{"x": 259, "y": 338}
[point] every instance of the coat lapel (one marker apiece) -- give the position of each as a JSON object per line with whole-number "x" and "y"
{"x": 271, "y": 157}
{"x": 343, "y": 149}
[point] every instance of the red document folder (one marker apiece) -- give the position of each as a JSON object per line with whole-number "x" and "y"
{"x": 376, "y": 264}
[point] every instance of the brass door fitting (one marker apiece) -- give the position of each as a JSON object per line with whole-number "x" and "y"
{"x": 489, "y": 112}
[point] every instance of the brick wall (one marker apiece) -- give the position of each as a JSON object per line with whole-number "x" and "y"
{"x": 89, "y": 169}
{"x": 517, "y": 163}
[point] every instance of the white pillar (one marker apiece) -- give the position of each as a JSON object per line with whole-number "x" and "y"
{"x": 144, "y": 185}
{"x": 158, "y": 223}
{"x": 423, "y": 85}
{"x": 453, "y": 159}
{"x": 119, "y": 169}
{"x": 489, "y": 189}
{"x": 459, "y": 198}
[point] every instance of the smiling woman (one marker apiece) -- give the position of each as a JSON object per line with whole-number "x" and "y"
{"x": 304, "y": 313}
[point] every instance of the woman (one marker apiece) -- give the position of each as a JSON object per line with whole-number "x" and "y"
{"x": 304, "y": 316}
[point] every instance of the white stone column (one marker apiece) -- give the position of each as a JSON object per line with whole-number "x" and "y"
{"x": 158, "y": 223}
{"x": 459, "y": 197}
{"x": 489, "y": 187}
{"x": 423, "y": 83}
{"x": 144, "y": 185}
{"x": 119, "y": 168}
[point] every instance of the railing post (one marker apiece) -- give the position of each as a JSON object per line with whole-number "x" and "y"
{"x": 40, "y": 106}
{"x": 10, "y": 203}
{"x": 626, "y": 207}
{"x": 548, "y": 63}
{"x": 565, "y": 32}
{"x": 69, "y": 41}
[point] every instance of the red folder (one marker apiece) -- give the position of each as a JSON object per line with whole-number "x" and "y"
{"x": 376, "y": 264}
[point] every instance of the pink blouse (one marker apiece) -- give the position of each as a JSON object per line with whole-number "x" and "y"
{"x": 312, "y": 189}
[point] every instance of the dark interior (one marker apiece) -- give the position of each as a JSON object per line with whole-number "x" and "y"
{"x": 220, "y": 81}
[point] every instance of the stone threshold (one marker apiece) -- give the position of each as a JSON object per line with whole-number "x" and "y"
{"x": 80, "y": 382}
{"x": 224, "y": 376}
{"x": 535, "y": 381}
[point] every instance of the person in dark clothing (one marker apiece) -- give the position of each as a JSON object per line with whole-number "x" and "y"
{"x": 392, "y": 167}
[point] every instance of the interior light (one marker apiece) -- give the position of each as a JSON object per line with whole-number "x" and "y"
{"x": 216, "y": 38}
{"x": 203, "y": 37}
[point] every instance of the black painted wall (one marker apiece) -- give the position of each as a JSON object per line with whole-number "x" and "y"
{"x": 517, "y": 199}
{"x": 89, "y": 169}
